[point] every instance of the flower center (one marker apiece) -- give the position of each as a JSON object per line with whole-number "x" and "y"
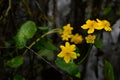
{"x": 67, "y": 53}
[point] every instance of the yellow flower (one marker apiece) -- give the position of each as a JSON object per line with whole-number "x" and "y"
{"x": 66, "y": 36}
{"x": 103, "y": 24}
{"x": 77, "y": 38}
{"x": 90, "y": 38}
{"x": 66, "y": 33}
{"x": 67, "y": 29}
{"x": 68, "y": 52}
{"x": 90, "y": 25}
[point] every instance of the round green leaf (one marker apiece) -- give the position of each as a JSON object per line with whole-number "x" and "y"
{"x": 26, "y": 31}
{"x": 15, "y": 62}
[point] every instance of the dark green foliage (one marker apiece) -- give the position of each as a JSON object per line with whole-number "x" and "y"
{"x": 26, "y": 31}
{"x": 70, "y": 68}
{"x": 108, "y": 71}
{"x": 18, "y": 77}
{"x": 98, "y": 43}
{"x": 15, "y": 62}
{"x": 14, "y": 13}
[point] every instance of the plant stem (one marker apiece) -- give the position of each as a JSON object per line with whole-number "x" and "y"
{"x": 86, "y": 54}
{"x": 45, "y": 60}
{"x": 38, "y": 39}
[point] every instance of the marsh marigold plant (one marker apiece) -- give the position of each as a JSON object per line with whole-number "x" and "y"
{"x": 68, "y": 51}
{"x": 75, "y": 43}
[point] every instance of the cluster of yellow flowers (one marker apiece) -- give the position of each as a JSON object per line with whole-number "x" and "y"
{"x": 91, "y": 25}
{"x": 68, "y": 51}
{"x": 66, "y": 34}
{"x": 98, "y": 25}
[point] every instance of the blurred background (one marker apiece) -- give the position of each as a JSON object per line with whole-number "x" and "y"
{"x": 57, "y": 13}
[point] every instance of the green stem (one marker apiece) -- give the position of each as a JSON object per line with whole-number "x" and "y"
{"x": 50, "y": 32}
{"x": 31, "y": 45}
{"x": 38, "y": 39}
{"x": 86, "y": 54}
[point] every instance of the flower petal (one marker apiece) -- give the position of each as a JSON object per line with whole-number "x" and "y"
{"x": 61, "y": 54}
{"x": 73, "y": 55}
{"x": 67, "y": 59}
{"x": 72, "y": 47}
{"x": 85, "y": 26}
{"x": 67, "y": 44}
{"x": 99, "y": 27}
{"x": 108, "y": 29}
{"x": 91, "y": 30}
{"x": 98, "y": 20}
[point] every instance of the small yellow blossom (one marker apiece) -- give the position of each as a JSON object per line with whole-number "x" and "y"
{"x": 90, "y": 25}
{"x": 76, "y": 38}
{"x": 90, "y": 38}
{"x": 68, "y": 52}
{"x": 103, "y": 24}
{"x": 67, "y": 29}
{"x": 65, "y": 36}
{"x": 66, "y": 33}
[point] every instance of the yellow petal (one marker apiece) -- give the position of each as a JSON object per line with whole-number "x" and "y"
{"x": 67, "y": 44}
{"x": 67, "y": 59}
{"x": 85, "y": 26}
{"x": 88, "y": 21}
{"x": 108, "y": 29}
{"x": 61, "y": 54}
{"x": 99, "y": 26}
{"x": 98, "y": 20}
{"x": 73, "y": 55}
{"x": 72, "y": 47}
{"x": 62, "y": 47}
{"x": 91, "y": 30}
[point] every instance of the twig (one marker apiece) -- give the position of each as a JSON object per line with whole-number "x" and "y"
{"x": 26, "y": 3}
{"x": 8, "y": 9}
{"x": 38, "y": 39}
{"x": 54, "y": 12}
{"x": 43, "y": 59}
{"x": 6, "y": 47}
{"x": 86, "y": 54}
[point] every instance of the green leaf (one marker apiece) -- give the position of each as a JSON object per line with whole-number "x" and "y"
{"x": 98, "y": 43}
{"x": 49, "y": 45}
{"x": 45, "y": 48}
{"x": 15, "y": 62}
{"x": 44, "y": 44}
{"x": 70, "y": 67}
{"x": 108, "y": 71}
{"x": 26, "y": 31}
{"x": 46, "y": 53}
{"x": 44, "y": 27}
{"x": 18, "y": 77}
